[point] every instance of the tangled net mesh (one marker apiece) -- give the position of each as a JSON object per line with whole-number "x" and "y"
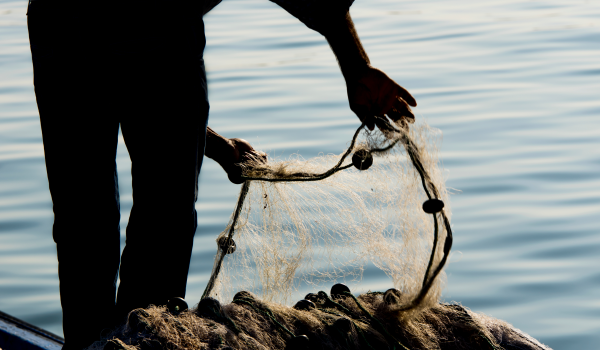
{"x": 250, "y": 323}
{"x": 302, "y": 224}
{"x": 297, "y": 235}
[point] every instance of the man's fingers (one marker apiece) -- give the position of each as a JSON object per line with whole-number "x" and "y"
{"x": 393, "y": 97}
{"x": 400, "y": 118}
{"x": 263, "y": 156}
{"x": 401, "y": 111}
{"x": 406, "y": 96}
{"x": 253, "y": 158}
{"x": 369, "y": 122}
{"x": 260, "y": 157}
{"x": 382, "y": 123}
{"x": 404, "y": 109}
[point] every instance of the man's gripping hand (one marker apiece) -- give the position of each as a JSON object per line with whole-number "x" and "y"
{"x": 232, "y": 154}
{"x": 242, "y": 155}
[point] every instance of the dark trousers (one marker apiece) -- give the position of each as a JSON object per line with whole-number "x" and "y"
{"x": 97, "y": 69}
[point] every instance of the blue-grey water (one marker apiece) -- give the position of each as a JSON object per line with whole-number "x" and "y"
{"x": 513, "y": 85}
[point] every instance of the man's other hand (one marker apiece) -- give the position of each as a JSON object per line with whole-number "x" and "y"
{"x": 371, "y": 92}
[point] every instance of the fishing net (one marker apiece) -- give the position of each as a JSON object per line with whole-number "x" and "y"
{"x": 339, "y": 322}
{"x": 301, "y": 224}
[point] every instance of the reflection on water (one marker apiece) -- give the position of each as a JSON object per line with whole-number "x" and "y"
{"x": 512, "y": 84}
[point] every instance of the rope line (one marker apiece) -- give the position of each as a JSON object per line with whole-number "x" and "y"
{"x": 433, "y": 249}
{"x": 313, "y": 177}
{"x": 222, "y": 251}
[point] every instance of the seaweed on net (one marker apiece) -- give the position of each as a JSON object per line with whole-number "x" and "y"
{"x": 309, "y": 222}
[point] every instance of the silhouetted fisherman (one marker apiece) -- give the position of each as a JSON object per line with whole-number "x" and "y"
{"x": 99, "y": 65}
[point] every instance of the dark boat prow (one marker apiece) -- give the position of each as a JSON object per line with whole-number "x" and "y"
{"x": 16, "y": 334}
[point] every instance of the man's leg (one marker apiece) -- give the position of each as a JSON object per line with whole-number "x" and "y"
{"x": 165, "y": 135}
{"x": 80, "y": 139}
{"x": 80, "y": 149}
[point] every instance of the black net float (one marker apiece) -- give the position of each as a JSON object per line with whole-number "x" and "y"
{"x": 313, "y": 297}
{"x": 177, "y": 305}
{"x": 392, "y": 296}
{"x": 227, "y": 248}
{"x": 362, "y": 159}
{"x": 338, "y": 290}
{"x": 433, "y": 205}
{"x": 244, "y": 295}
{"x": 210, "y": 308}
{"x": 304, "y": 305}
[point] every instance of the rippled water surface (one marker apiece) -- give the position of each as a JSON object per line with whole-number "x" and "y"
{"x": 513, "y": 85}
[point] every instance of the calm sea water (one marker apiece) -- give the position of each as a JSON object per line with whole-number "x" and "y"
{"x": 513, "y": 85}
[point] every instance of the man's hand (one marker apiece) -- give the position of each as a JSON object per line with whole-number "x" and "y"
{"x": 374, "y": 93}
{"x": 232, "y": 154}
{"x": 371, "y": 92}
{"x": 243, "y": 154}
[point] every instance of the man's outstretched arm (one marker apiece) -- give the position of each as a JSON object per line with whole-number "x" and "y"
{"x": 371, "y": 92}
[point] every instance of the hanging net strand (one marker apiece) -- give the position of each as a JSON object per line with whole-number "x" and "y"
{"x": 389, "y": 139}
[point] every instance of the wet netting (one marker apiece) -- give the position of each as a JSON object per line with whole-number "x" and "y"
{"x": 302, "y": 225}
{"x": 337, "y": 321}
{"x": 379, "y": 205}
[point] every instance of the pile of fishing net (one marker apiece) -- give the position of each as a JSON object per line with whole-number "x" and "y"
{"x": 300, "y": 225}
{"x": 341, "y": 321}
